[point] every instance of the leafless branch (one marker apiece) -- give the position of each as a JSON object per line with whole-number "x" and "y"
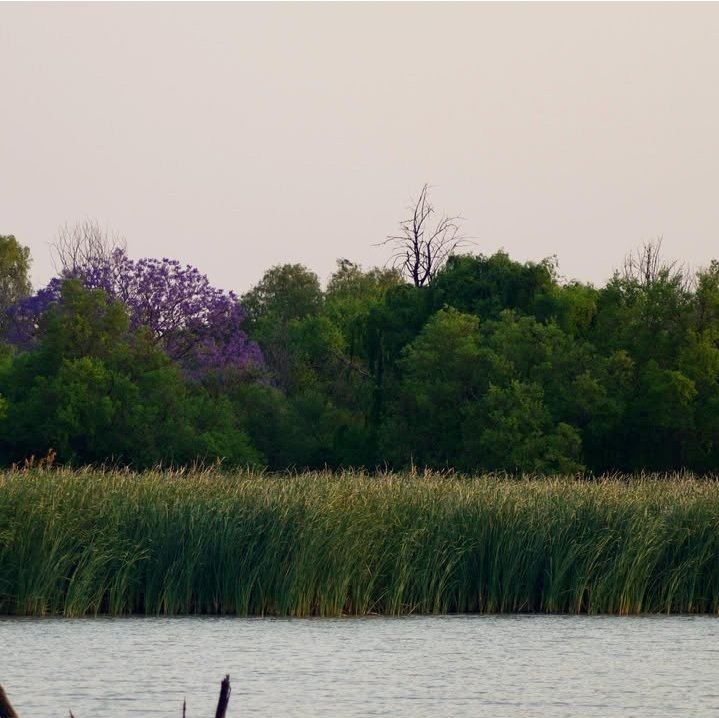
{"x": 81, "y": 245}
{"x": 646, "y": 265}
{"x": 421, "y": 248}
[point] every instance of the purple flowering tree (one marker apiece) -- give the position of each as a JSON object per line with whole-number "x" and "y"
{"x": 24, "y": 317}
{"x": 196, "y": 324}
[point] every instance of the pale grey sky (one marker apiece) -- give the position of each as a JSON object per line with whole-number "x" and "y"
{"x": 238, "y": 136}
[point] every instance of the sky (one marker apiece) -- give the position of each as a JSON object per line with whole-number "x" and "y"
{"x": 235, "y": 137}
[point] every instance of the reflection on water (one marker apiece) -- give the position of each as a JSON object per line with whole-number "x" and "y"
{"x": 441, "y": 666}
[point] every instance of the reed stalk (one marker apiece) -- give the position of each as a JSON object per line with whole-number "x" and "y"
{"x": 113, "y": 542}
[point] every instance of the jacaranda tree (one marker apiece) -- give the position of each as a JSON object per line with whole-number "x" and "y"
{"x": 196, "y": 324}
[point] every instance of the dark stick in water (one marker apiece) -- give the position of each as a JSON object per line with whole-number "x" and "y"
{"x": 224, "y": 697}
{"x": 6, "y": 710}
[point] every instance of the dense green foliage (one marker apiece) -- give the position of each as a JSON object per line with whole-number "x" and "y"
{"x": 494, "y": 365}
{"x": 14, "y": 274}
{"x": 322, "y": 544}
{"x": 95, "y": 390}
{"x": 498, "y": 365}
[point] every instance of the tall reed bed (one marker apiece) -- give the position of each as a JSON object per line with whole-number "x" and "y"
{"x": 89, "y": 542}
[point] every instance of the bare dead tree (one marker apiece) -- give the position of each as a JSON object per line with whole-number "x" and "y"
{"x": 422, "y": 247}
{"x": 83, "y": 245}
{"x": 646, "y": 266}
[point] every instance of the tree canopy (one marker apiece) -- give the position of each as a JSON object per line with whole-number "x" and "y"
{"x": 14, "y": 275}
{"x": 493, "y": 365}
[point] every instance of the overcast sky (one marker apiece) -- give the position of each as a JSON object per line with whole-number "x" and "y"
{"x": 235, "y": 137}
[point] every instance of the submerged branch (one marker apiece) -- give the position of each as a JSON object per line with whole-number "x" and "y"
{"x": 6, "y": 710}
{"x": 224, "y": 697}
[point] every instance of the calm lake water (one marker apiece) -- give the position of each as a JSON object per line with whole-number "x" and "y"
{"x": 415, "y": 667}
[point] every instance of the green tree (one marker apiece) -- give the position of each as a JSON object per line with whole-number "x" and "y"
{"x": 485, "y": 286}
{"x": 440, "y": 373}
{"x": 96, "y": 391}
{"x": 286, "y": 293}
{"x": 14, "y": 275}
{"x": 699, "y": 363}
{"x": 576, "y": 308}
{"x": 350, "y": 297}
{"x": 705, "y": 304}
{"x": 511, "y": 429}
{"x": 475, "y": 399}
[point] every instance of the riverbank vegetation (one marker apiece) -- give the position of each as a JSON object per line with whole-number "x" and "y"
{"x": 249, "y": 543}
{"x": 478, "y": 363}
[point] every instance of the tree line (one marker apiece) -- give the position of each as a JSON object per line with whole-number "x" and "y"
{"x": 471, "y": 362}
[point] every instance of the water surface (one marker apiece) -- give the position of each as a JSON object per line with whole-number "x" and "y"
{"x": 402, "y": 667}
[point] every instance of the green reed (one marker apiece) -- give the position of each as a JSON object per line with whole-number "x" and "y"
{"x": 164, "y": 542}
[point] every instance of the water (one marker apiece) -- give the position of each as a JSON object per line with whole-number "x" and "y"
{"x": 402, "y": 667}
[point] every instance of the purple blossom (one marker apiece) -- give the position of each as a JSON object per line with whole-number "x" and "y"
{"x": 24, "y": 317}
{"x": 196, "y": 324}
